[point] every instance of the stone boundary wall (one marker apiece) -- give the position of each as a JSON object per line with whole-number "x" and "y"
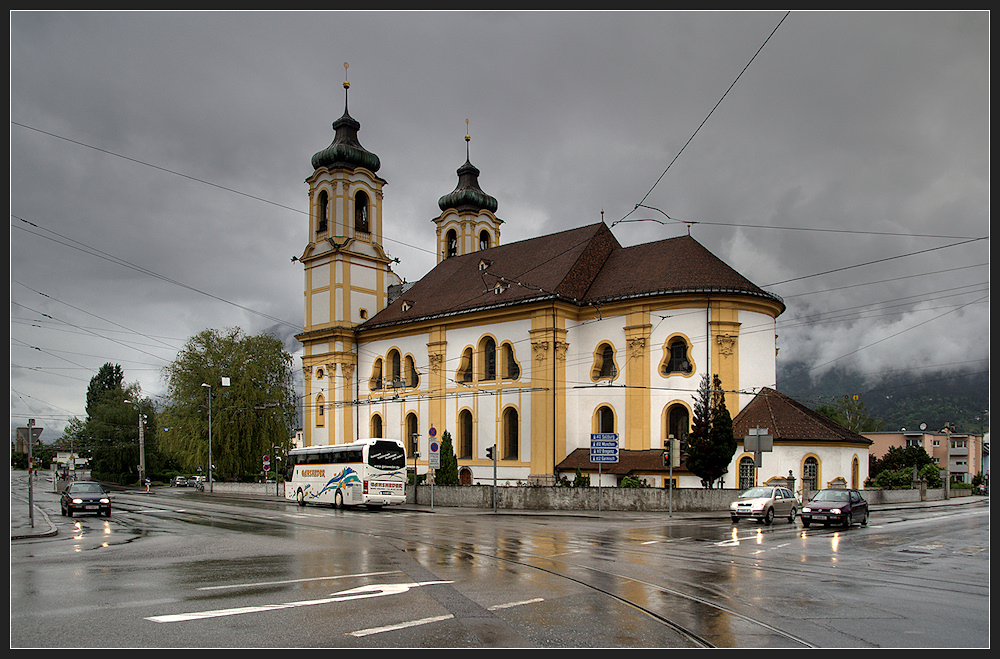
{"x": 584, "y": 498}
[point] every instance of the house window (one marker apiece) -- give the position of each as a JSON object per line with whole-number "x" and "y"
{"x": 320, "y": 410}
{"x": 810, "y": 474}
{"x": 678, "y": 421}
{"x": 451, "y": 244}
{"x": 395, "y": 369}
{"x": 412, "y": 377}
{"x": 484, "y": 239}
{"x": 376, "y": 425}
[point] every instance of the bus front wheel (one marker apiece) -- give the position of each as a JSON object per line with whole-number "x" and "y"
{"x": 301, "y": 498}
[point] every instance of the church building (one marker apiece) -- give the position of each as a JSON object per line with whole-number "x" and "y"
{"x": 525, "y": 348}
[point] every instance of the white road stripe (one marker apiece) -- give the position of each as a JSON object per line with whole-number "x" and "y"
{"x": 427, "y": 621}
{"x": 277, "y": 583}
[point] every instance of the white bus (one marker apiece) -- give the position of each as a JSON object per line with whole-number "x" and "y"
{"x": 369, "y": 472}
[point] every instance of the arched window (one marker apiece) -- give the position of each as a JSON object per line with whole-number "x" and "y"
{"x": 320, "y": 410}
{"x": 605, "y": 367}
{"x": 376, "y": 425}
{"x": 464, "y": 373}
{"x": 411, "y": 432}
{"x": 484, "y": 239}
{"x": 747, "y": 472}
{"x": 810, "y": 475}
{"x": 451, "y": 244}
{"x": 855, "y": 473}
{"x": 678, "y": 421}
{"x": 488, "y": 357}
{"x": 322, "y": 211}
{"x": 465, "y": 434}
{"x": 412, "y": 377}
{"x": 393, "y": 363}
{"x": 511, "y": 369}
{"x": 676, "y": 358}
{"x": 604, "y": 419}
{"x": 361, "y": 222}
{"x": 510, "y": 434}
{"x": 375, "y": 382}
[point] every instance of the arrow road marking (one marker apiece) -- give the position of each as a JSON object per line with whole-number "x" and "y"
{"x": 361, "y": 592}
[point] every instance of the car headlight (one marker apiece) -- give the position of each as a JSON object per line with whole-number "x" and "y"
{"x": 807, "y": 510}
{"x": 77, "y": 500}
{"x": 105, "y": 500}
{"x": 835, "y": 511}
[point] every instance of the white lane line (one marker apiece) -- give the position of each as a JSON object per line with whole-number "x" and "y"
{"x": 287, "y": 581}
{"x": 402, "y": 625}
{"x": 426, "y": 621}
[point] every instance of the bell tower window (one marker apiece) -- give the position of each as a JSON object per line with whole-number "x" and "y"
{"x": 361, "y": 223}
{"x": 451, "y": 241}
{"x": 322, "y": 212}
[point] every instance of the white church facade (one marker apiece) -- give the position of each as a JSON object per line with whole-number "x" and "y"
{"x": 525, "y": 348}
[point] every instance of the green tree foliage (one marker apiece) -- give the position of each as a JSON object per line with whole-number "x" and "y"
{"x": 447, "y": 474}
{"x": 711, "y": 445}
{"x": 850, "y": 412}
{"x": 254, "y": 413}
{"x": 110, "y": 433}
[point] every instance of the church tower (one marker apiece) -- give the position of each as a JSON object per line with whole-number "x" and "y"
{"x": 467, "y": 222}
{"x": 347, "y": 277}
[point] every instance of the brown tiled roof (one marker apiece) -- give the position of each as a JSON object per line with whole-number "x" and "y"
{"x": 580, "y": 266}
{"x": 629, "y": 462}
{"x": 787, "y": 419}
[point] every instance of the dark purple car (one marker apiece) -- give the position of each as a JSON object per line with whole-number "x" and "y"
{"x": 835, "y": 506}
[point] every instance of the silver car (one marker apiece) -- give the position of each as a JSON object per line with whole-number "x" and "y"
{"x": 764, "y": 504}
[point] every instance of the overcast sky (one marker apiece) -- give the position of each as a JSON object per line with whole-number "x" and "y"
{"x": 839, "y": 160}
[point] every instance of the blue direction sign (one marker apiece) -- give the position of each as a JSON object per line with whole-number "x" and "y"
{"x": 604, "y": 447}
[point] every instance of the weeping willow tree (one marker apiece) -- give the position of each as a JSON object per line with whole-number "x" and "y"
{"x": 249, "y": 380}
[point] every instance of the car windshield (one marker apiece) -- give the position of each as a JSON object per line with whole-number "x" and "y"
{"x": 757, "y": 493}
{"x": 85, "y": 488}
{"x": 831, "y": 495}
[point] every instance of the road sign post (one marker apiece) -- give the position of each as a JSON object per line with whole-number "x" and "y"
{"x": 603, "y": 448}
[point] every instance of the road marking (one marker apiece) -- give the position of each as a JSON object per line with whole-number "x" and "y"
{"x": 362, "y": 592}
{"x": 287, "y": 581}
{"x": 426, "y": 621}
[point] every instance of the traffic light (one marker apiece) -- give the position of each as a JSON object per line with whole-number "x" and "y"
{"x": 489, "y": 452}
{"x": 675, "y": 452}
{"x": 666, "y": 458}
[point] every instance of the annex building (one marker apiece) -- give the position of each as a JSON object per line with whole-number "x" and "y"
{"x": 526, "y": 347}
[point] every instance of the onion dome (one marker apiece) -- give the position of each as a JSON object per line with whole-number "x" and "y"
{"x": 346, "y": 150}
{"x": 468, "y": 195}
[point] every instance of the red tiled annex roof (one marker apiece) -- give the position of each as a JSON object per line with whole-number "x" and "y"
{"x": 786, "y": 419}
{"x": 580, "y": 266}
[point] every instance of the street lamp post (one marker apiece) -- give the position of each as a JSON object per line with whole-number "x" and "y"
{"x": 225, "y": 383}
{"x": 142, "y": 445}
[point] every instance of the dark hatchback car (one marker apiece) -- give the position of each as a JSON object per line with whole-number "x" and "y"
{"x": 835, "y": 506}
{"x": 85, "y": 497}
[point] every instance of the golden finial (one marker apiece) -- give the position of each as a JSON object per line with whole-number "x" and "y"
{"x": 467, "y": 137}
{"x": 347, "y": 83}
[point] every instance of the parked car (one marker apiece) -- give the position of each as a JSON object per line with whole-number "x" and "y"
{"x": 836, "y": 506}
{"x": 85, "y": 497}
{"x": 764, "y": 504}
{"x": 180, "y": 481}
{"x": 196, "y": 481}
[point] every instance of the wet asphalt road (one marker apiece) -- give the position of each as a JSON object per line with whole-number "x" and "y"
{"x": 177, "y": 568}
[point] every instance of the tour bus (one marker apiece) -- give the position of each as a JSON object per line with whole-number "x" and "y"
{"x": 369, "y": 472}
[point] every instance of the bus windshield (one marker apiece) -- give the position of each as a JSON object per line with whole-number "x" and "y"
{"x": 386, "y": 455}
